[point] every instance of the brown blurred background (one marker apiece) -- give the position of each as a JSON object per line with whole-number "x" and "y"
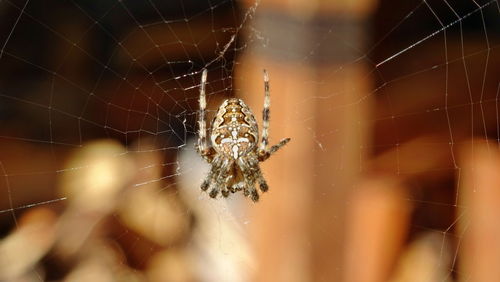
{"x": 391, "y": 174}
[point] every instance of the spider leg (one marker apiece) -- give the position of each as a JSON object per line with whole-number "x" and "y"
{"x": 237, "y": 187}
{"x": 254, "y": 163}
{"x": 223, "y": 178}
{"x": 225, "y": 193}
{"x": 249, "y": 180}
{"x": 213, "y": 193}
{"x": 265, "y": 114}
{"x": 262, "y": 181}
{"x": 264, "y": 155}
{"x": 202, "y": 147}
{"x": 263, "y": 152}
{"x": 212, "y": 174}
{"x": 214, "y": 183}
{"x": 219, "y": 175}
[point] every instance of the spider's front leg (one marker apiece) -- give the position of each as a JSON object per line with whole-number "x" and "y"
{"x": 206, "y": 151}
{"x": 263, "y": 152}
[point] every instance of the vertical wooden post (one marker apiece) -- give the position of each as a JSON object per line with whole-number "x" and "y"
{"x": 310, "y": 49}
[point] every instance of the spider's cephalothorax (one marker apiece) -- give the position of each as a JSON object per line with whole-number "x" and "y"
{"x": 235, "y": 152}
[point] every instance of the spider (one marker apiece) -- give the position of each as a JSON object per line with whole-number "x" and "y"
{"x": 235, "y": 155}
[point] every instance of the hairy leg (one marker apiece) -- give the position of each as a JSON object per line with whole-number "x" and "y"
{"x": 206, "y": 151}
{"x": 253, "y": 163}
{"x": 237, "y": 187}
{"x": 224, "y": 177}
{"x": 265, "y": 114}
{"x": 249, "y": 180}
{"x": 262, "y": 181}
{"x": 212, "y": 174}
{"x": 264, "y": 155}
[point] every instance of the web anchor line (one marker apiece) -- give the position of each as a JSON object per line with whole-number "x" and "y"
{"x": 434, "y": 33}
{"x": 34, "y": 205}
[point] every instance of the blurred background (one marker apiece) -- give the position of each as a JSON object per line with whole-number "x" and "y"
{"x": 392, "y": 173}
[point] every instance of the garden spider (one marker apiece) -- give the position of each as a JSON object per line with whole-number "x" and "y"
{"x": 234, "y": 155}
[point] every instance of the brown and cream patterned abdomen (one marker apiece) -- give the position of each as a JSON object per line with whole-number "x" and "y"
{"x": 234, "y": 130}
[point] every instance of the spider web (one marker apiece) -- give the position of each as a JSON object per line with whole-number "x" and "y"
{"x": 75, "y": 72}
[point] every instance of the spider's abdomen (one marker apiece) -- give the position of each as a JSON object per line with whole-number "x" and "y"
{"x": 234, "y": 130}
